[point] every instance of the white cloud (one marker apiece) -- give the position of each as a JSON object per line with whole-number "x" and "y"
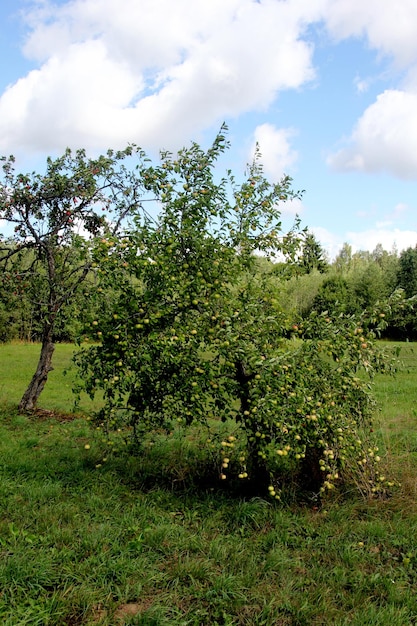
{"x": 361, "y": 84}
{"x": 66, "y": 99}
{"x": 292, "y": 207}
{"x": 158, "y": 72}
{"x": 388, "y": 238}
{"x": 384, "y": 138}
{"x": 107, "y": 76}
{"x": 390, "y": 27}
{"x": 393, "y": 216}
{"x": 399, "y": 210}
{"x": 277, "y": 156}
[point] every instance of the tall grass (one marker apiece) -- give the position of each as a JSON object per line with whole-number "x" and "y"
{"x": 144, "y": 540}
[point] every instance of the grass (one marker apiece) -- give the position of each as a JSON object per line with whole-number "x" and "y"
{"x": 18, "y": 363}
{"x": 397, "y": 416}
{"x": 136, "y": 542}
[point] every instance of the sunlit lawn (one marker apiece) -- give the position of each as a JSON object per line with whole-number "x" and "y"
{"x": 18, "y": 363}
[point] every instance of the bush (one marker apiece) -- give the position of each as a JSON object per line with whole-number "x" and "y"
{"x": 197, "y": 334}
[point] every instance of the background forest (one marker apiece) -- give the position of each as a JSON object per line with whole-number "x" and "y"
{"x": 352, "y": 282}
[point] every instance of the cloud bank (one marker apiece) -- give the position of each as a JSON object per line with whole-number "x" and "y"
{"x": 158, "y": 72}
{"x": 155, "y": 73}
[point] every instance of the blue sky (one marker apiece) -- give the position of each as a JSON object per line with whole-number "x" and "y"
{"x": 328, "y": 88}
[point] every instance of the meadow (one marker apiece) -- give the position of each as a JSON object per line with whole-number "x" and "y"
{"x": 142, "y": 540}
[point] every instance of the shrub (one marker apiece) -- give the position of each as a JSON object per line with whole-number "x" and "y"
{"x": 197, "y": 334}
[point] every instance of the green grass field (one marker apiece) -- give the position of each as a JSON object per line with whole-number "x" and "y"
{"x": 134, "y": 541}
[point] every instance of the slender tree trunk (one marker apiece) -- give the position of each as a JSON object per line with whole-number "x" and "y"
{"x": 260, "y": 478}
{"x": 36, "y": 385}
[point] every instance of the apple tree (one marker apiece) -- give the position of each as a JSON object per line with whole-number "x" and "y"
{"x": 197, "y": 333}
{"x": 55, "y": 219}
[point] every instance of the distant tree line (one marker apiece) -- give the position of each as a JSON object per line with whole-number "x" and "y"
{"x": 349, "y": 284}
{"x": 355, "y": 282}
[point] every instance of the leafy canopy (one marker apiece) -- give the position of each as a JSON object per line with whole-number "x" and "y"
{"x": 56, "y": 217}
{"x": 197, "y": 333}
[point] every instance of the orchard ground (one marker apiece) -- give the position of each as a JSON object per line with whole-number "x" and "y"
{"x": 136, "y": 540}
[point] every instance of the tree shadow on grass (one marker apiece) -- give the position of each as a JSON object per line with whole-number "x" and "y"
{"x": 65, "y": 448}
{"x": 195, "y": 471}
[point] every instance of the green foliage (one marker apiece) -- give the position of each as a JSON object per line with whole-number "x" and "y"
{"x": 24, "y": 290}
{"x": 56, "y": 217}
{"x": 369, "y": 286}
{"x": 313, "y": 256}
{"x": 407, "y": 271}
{"x": 197, "y": 334}
{"x": 353, "y": 293}
{"x": 297, "y": 293}
{"x": 360, "y": 282}
{"x": 343, "y": 261}
{"x": 335, "y": 295}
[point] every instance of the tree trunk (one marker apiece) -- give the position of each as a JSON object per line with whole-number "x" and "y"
{"x": 260, "y": 477}
{"x": 36, "y": 385}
